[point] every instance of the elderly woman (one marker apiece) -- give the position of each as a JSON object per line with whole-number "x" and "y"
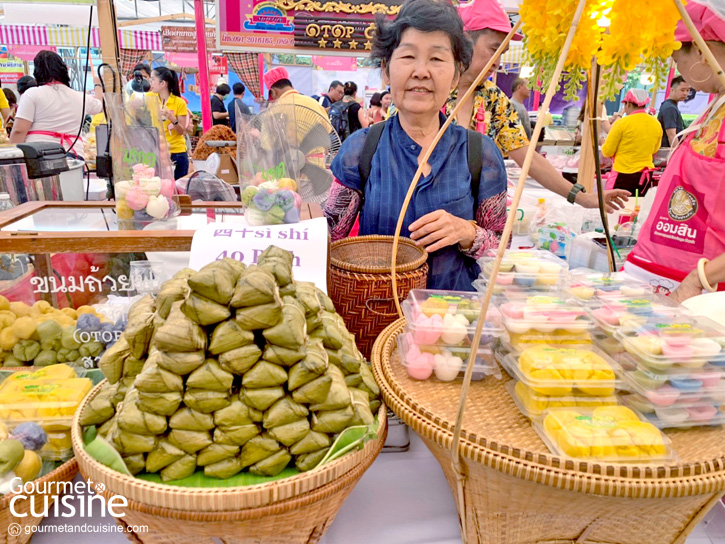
{"x": 686, "y": 226}
{"x": 459, "y": 207}
{"x": 632, "y": 142}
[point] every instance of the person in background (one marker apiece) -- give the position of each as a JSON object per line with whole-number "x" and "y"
{"x": 356, "y": 117}
{"x": 490, "y": 111}
{"x": 520, "y": 92}
{"x": 669, "y": 116}
{"x": 173, "y": 116}
{"x": 219, "y": 113}
{"x": 53, "y": 112}
{"x": 632, "y": 142}
{"x": 13, "y": 103}
{"x": 386, "y": 100}
{"x": 686, "y": 225}
{"x": 25, "y": 83}
{"x": 238, "y": 89}
{"x": 140, "y": 81}
{"x": 281, "y": 91}
{"x": 375, "y": 111}
{"x": 334, "y": 94}
{"x": 422, "y": 54}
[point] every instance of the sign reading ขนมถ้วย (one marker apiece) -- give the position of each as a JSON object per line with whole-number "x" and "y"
{"x": 297, "y": 26}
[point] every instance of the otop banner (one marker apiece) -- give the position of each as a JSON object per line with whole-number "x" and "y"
{"x": 300, "y": 26}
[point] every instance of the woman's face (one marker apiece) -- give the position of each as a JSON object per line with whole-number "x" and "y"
{"x": 422, "y": 72}
{"x": 694, "y": 70}
{"x": 156, "y": 83}
{"x": 386, "y": 101}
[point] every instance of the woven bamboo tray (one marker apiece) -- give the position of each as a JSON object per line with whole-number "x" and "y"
{"x": 64, "y": 473}
{"x": 293, "y": 510}
{"x": 517, "y": 492}
{"x": 359, "y": 282}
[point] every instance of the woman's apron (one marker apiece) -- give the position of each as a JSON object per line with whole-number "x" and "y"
{"x": 687, "y": 221}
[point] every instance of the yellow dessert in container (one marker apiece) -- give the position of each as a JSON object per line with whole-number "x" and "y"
{"x": 558, "y": 372}
{"x": 609, "y": 433}
{"x": 534, "y": 405}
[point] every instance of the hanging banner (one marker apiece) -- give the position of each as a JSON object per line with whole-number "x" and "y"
{"x": 300, "y": 26}
{"x": 182, "y": 39}
{"x": 28, "y": 52}
{"x": 11, "y": 70}
{"x": 217, "y": 68}
{"x": 343, "y": 64}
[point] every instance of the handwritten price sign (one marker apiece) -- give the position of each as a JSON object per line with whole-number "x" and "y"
{"x": 307, "y": 240}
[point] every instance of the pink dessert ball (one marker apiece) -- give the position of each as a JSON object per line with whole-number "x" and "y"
{"x": 137, "y": 198}
{"x": 420, "y": 365}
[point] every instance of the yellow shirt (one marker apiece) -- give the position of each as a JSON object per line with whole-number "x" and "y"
{"x": 3, "y": 104}
{"x": 632, "y": 142}
{"x": 176, "y": 141}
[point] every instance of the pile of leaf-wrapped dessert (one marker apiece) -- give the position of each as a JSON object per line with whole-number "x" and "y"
{"x": 232, "y": 368}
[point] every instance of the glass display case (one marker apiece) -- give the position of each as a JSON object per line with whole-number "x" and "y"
{"x": 75, "y": 254}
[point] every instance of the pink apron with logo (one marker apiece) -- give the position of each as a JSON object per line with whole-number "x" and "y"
{"x": 687, "y": 221}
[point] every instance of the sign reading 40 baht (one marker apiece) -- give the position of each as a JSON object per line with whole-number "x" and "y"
{"x": 300, "y": 26}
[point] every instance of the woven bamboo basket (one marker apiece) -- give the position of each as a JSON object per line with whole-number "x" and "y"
{"x": 359, "y": 283}
{"x": 516, "y": 492}
{"x": 294, "y": 510}
{"x": 64, "y": 473}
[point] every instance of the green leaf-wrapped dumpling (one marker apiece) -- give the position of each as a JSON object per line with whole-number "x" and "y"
{"x": 189, "y": 441}
{"x": 210, "y": 376}
{"x": 237, "y": 435}
{"x": 203, "y": 310}
{"x": 223, "y": 469}
{"x": 215, "y": 453}
{"x": 291, "y": 433}
{"x": 256, "y": 286}
{"x": 237, "y": 413}
{"x": 205, "y": 401}
{"x": 284, "y": 411}
{"x": 228, "y": 336}
{"x": 264, "y": 374}
{"x": 308, "y": 461}
{"x": 291, "y": 330}
{"x": 272, "y": 465}
{"x": 190, "y": 420}
{"x": 182, "y": 468}
{"x": 261, "y": 399}
{"x": 313, "y": 441}
{"x": 162, "y": 456}
{"x": 239, "y": 361}
{"x": 258, "y": 448}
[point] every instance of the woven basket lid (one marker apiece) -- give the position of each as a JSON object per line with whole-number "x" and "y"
{"x": 372, "y": 255}
{"x": 496, "y": 434}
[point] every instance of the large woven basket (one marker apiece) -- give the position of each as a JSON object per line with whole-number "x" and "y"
{"x": 294, "y": 510}
{"x": 19, "y": 530}
{"x": 359, "y": 282}
{"x": 516, "y": 492}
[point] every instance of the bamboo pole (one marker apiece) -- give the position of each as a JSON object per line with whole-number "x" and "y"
{"x": 429, "y": 152}
{"x": 551, "y": 91}
{"x": 701, "y": 43}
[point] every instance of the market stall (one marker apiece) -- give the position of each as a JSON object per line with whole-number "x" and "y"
{"x": 208, "y": 361}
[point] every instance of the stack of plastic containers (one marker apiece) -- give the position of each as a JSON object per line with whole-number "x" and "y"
{"x": 550, "y": 356}
{"x": 676, "y": 371}
{"x": 441, "y": 326}
{"x": 522, "y": 272}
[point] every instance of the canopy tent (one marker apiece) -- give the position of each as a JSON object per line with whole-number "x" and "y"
{"x": 130, "y": 14}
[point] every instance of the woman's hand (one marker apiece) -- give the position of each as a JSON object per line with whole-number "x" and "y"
{"x": 440, "y": 229}
{"x": 168, "y": 115}
{"x": 613, "y": 200}
{"x": 690, "y": 287}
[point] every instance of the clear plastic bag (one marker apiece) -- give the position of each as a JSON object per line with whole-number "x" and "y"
{"x": 142, "y": 170}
